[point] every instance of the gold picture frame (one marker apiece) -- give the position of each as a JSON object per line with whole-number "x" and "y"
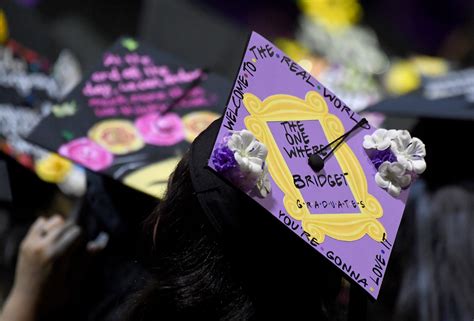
{"x": 340, "y": 226}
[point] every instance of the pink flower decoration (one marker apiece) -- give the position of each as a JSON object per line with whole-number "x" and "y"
{"x": 160, "y": 130}
{"x": 87, "y": 153}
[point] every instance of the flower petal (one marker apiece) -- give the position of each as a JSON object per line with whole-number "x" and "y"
{"x": 383, "y": 145}
{"x": 404, "y": 181}
{"x": 379, "y": 135}
{"x": 416, "y": 148}
{"x": 263, "y": 184}
{"x": 380, "y": 139}
{"x": 247, "y": 138}
{"x": 397, "y": 169}
{"x": 235, "y": 142}
{"x": 400, "y": 142}
{"x": 242, "y": 161}
{"x": 419, "y": 165}
{"x": 394, "y": 190}
{"x": 383, "y": 168}
{"x": 392, "y": 133}
{"x": 404, "y": 136}
{"x": 255, "y": 168}
{"x": 368, "y": 142}
{"x": 257, "y": 149}
{"x": 402, "y": 159}
{"x": 381, "y": 181}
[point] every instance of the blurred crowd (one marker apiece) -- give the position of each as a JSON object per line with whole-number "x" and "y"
{"x": 401, "y": 64}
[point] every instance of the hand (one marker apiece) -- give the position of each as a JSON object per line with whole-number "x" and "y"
{"x": 45, "y": 247}
{"x": 47, "y": 241}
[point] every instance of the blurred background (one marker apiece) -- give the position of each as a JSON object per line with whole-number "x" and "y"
{"x": 402, "y": 63}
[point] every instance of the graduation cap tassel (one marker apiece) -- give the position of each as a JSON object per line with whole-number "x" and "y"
{"x": 316, "y": 162}
{"x": 193, "y": 85}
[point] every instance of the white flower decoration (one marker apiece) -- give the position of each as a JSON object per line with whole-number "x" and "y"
{"x": 380, "y": 139}
{"x": 410, "y": 152}
{"x": 263, "y": 182}
{"x": 250, "y": 155}
{"x": 392, "y": 177}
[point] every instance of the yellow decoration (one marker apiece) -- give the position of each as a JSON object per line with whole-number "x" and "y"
{"x": 117, "y": 136}
{"x": 340, "y": 226}
{"x": 153, "y": 179}
{"x": 65, "y": 109}
{"x": 430, "y": 66}
{"x": 314, "y": 65}
{"x": 3, "y": 27}
{"x": 196, "y": 122}
{"x": 402, "y": 78}
{"x": 292, "y": 48}
{"x": 332, "y": 13}
{"x": 302, "y": 55}
{"x": 53, "y": 168}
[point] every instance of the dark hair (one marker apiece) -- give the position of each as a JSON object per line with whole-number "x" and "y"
{"x": 437, "y": 279}
{"x": 265, "y": 272}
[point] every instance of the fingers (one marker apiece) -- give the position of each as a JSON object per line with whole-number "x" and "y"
{"x": 37, "y": 226}
{"x": 53, "y": 223}
{"x": 55, "y": 231}
{"x": 54, "y": 235}
{"x": 43, "y": 225}
{"x": 64, "y": 239}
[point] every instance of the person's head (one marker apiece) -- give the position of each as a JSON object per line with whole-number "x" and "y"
{"x": 437, "y": 281}
{"x": 257, "y": 270}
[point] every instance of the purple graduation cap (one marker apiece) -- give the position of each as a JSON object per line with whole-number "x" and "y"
{"x": 319, "y": 168}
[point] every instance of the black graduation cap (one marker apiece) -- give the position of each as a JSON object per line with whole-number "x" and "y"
{"x": 35, "y": 34}
{"x": 134, "y": 115}
{"x": 199, "y": 27}
{"x": 444, "y": 109}
{"x": 28, "y": 86}
{"x": 417, "y": 105}
{"x": 450, "y": 96}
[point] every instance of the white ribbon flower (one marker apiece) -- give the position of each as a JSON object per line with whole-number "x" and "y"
{"x": 410, "y": 152}
{"x": 249, "y": 153}
{"x": 392, "y": 177}
{"x": 263, "y": 182}
{"x": 380, "y": 139}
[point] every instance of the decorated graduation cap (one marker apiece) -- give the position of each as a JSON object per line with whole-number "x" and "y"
{"x": 324, "y": 172}
{"x": 450, "y": 96}
{"x": 28, "y": 87}
{"x": 134, "y": 115}
{"x": 444, "y": 109}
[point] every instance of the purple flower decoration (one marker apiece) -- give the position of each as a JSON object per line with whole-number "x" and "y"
{"x": 241, "y": 180}
{"x": 240, "y": 157}
{"x": 223, "y": 158}
{"x": 381, "y": 156}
